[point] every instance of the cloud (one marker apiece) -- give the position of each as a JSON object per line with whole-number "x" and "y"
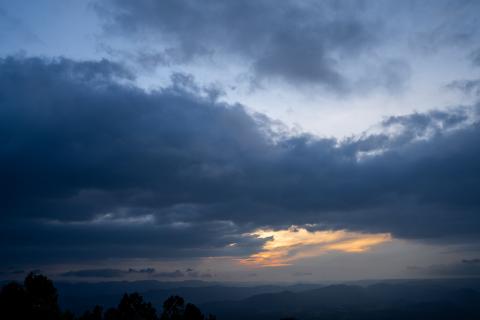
{"x": 14, "y": 272}
{"x": 465, "y": 268}
{"x": 12, "y": 28}
{"x": 467, "y": 86}
{"x": 142, "y": 271}
{"x": 196, "y": 274}
{"x": 301, "y": 43}
{"x": 172, "y": 274}
{"x": 95, "y": 273}
{"x": 475, "y": 57}
{"x": 302, "y": 274}
{"x": 471, "y": 261}
{"x": 188, "y": 273}
{"x": 283, "y": 247}
{"x": 121, "y": 273}
{"x": 109, "y": 273}
{"x": 74, "y": 241}
{"x": 342, "y": 46}
{"x": 450, "y": 24}
{"x": 95, "y": 168}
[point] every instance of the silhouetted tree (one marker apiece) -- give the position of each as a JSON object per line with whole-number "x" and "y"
{"x": 67, "y": 315}
{"x": 14, "y": 303}
{"x": 173, "y": 308}
{"x": 43, "y": 297}
{"x": 131, "y": 307}
{"x": 37, "y": 299}
{"x": 111, "y": 314}
{"x": 95, "y": 314}
{"x": 192, "y": 313}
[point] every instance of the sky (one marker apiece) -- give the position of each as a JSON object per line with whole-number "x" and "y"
{"x": 241, "y": 141}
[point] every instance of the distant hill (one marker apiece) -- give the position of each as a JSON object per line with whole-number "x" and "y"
{"x": 79, "y": 297}
{"x": 414, "y": 300}
{"x": 370, "y": 298}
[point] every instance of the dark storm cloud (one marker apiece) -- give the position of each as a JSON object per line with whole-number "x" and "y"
{"x": 91, "y": 168}
{"x": 301, "y": 42}
{"x": 29, "y": 242}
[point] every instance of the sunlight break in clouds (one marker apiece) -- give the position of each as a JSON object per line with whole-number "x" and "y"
{"x": 283, "y": 247}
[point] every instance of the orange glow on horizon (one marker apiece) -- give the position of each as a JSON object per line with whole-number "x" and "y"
{"x": 286, "y": 246}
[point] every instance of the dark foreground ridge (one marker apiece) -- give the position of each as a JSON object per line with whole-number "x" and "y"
{"x": 37, "y": 299}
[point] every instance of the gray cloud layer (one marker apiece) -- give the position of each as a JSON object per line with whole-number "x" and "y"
{"x": 92, "y": 169}
{"x": 300, "y": 42}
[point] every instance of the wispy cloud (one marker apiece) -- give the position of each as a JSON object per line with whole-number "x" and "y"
{"x": 283, "y": 247}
